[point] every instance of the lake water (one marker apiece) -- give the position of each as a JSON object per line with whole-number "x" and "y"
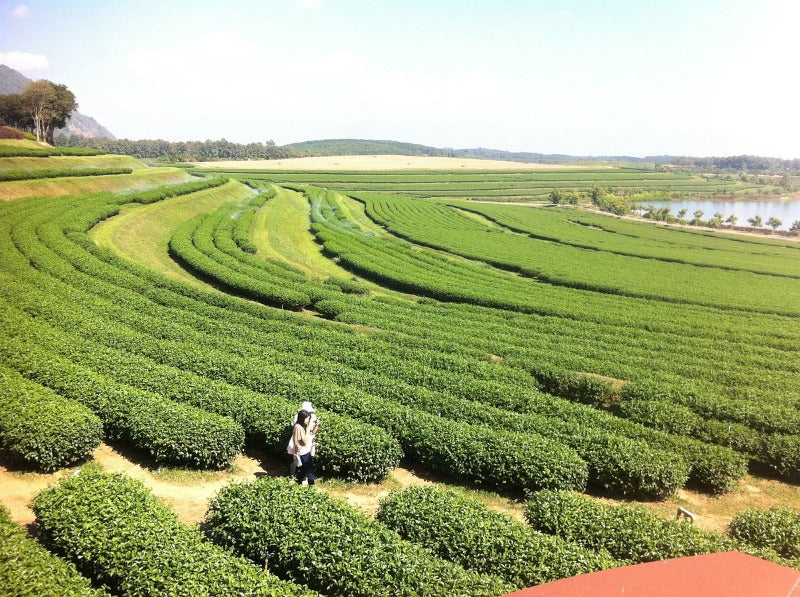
{"x": 786, "y": 211}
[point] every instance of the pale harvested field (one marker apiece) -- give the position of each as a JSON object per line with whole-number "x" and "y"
{"x": 380, "y": 162}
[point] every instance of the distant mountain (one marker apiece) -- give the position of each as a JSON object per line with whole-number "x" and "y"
{"x": 12, "y": 81}
{"x": 371, "y": 147}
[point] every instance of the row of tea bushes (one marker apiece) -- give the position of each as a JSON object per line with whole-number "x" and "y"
{"x": 117, "y": 533}
{"x": 628, "y": 533}
{"x": 28, "y": 569}
{"x": 501, "y": 458}
{"x": 351, "y": 450}
{"x": 41, "y": 430}
{"x": 464, "y": 531}
{"x": 617, "y": 465}
{"x": 636, "y": 535}
{"x": 60, "y": 173}
{"x": 305, "y": 536}
{"x": 170, "y": 433}
{"x": 776, "y": 528}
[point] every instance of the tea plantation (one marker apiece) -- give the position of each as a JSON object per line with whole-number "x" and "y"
{"x": 544, "y": 353}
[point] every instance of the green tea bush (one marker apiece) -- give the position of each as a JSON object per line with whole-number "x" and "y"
{"x": 466, "y": 532}
{"x": 776, "y": 528}
{"x": 42, "y": 430}
{"x": 12, "y": 151}
{"x": 310, "y": 538}
{"x": 629, "y": 533}
{"x": 27, "y": 569}
{"x": 182, "y": 248}
{"x": 170, "y": 433}
{"x": 60, "y": 173}
{"x": 576, "y": 386}
{"x": 662, "y": 415}
{"x": 119, "y": 534}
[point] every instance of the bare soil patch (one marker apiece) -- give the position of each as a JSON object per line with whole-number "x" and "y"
{"x": 381, "y": 162}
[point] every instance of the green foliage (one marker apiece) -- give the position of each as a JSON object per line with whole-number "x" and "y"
{"x": 187, "y": 151}
{"x": 119, "y": 534}
{"x": 14, "y": 151}
{"x": 776, "y": 528}
{"x": 305, "y": 536}
{"x": 466, "y": 532}
{"x": 628, "y": 533}
{"x": 661, "y": 414}
{"x": 42, "y": 430}
{"x": 59, "y": 173}
{"x": 170, "y": 433}
{"x": 577, "y": 387}
{"x": 28, "y": 570}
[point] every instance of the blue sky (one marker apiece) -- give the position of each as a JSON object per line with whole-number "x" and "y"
{"x": 706, "y": 77}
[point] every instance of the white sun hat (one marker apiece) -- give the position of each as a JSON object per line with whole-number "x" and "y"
{"x": 308, "y": 407}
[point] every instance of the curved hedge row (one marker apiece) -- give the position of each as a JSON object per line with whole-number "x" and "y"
{"x": 502, "y": 459}
{"x": 241, "y": 227}
{"x": 779, "y": 453}
{"x": 629, "y": 533}
{"x": 349, "y": 449}
{"x": 119, "y": 534}
{"x": 42, "y": 430}
{"x": 170, "y": 433}
{"x": 308, "y": 537}
{"x": 617, "y": 465}
{"x": 60, "y": 173}
{"x": 468, "y": 533}
{"x": 182, "y": 248}
{"x": 13, "y": 151}
{"x": 27, "y": 568}
{"x": 776, "y": 528}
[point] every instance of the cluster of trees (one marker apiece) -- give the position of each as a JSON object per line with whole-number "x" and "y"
{"x": 741, "y": 162}
{"x": 41, "y": 107}
{"x": 662, "y": 214}
{"x": 187, "y": 151}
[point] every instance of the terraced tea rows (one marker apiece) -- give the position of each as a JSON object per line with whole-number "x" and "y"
{"x": 503, "y": 382}
{"x": 502, "y": 186}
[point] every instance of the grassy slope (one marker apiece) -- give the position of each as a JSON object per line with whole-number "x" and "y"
{"x": 141, "y": 232}
{"x": 281, "y": 234}
{"x": 70, "y": 162}
{"x": 52, "y": 187}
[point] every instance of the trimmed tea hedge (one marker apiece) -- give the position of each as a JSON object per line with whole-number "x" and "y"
{"x": 306, "y": 536}
{"x": 60, "y": 173}
{"x": 119, "y": 534}
{"x": 630, "y": 533}
{"x": 776, "y": 528}
{"x": 42, "y": 430}
{"x": 28, "y": 569}
{"x": 466, "y": 532}
{"x": 171, "y": 433}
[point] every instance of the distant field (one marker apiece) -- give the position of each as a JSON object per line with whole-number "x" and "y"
{"x": 378, "y": 162}
{"x": 512, "y": 182}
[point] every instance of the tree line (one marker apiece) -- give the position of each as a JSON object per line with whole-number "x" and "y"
{"x": 186, "y": 151}
{"x": 41, "y": 107}
{"x": 751, "y": 163}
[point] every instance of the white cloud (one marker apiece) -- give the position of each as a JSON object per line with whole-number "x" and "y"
{"x": 24, "y": 61}
{"x": 309, "y": 3}
{"x": 21, "y": 12}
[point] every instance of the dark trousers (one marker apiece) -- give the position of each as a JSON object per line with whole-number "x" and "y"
{"x": 306, "y": 471}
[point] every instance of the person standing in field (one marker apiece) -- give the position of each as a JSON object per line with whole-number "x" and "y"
{"x": 313, "y": 427}
{"x": 303, "y": 439}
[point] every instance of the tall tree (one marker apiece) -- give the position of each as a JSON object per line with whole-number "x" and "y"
{"x": 48, "y": 106}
